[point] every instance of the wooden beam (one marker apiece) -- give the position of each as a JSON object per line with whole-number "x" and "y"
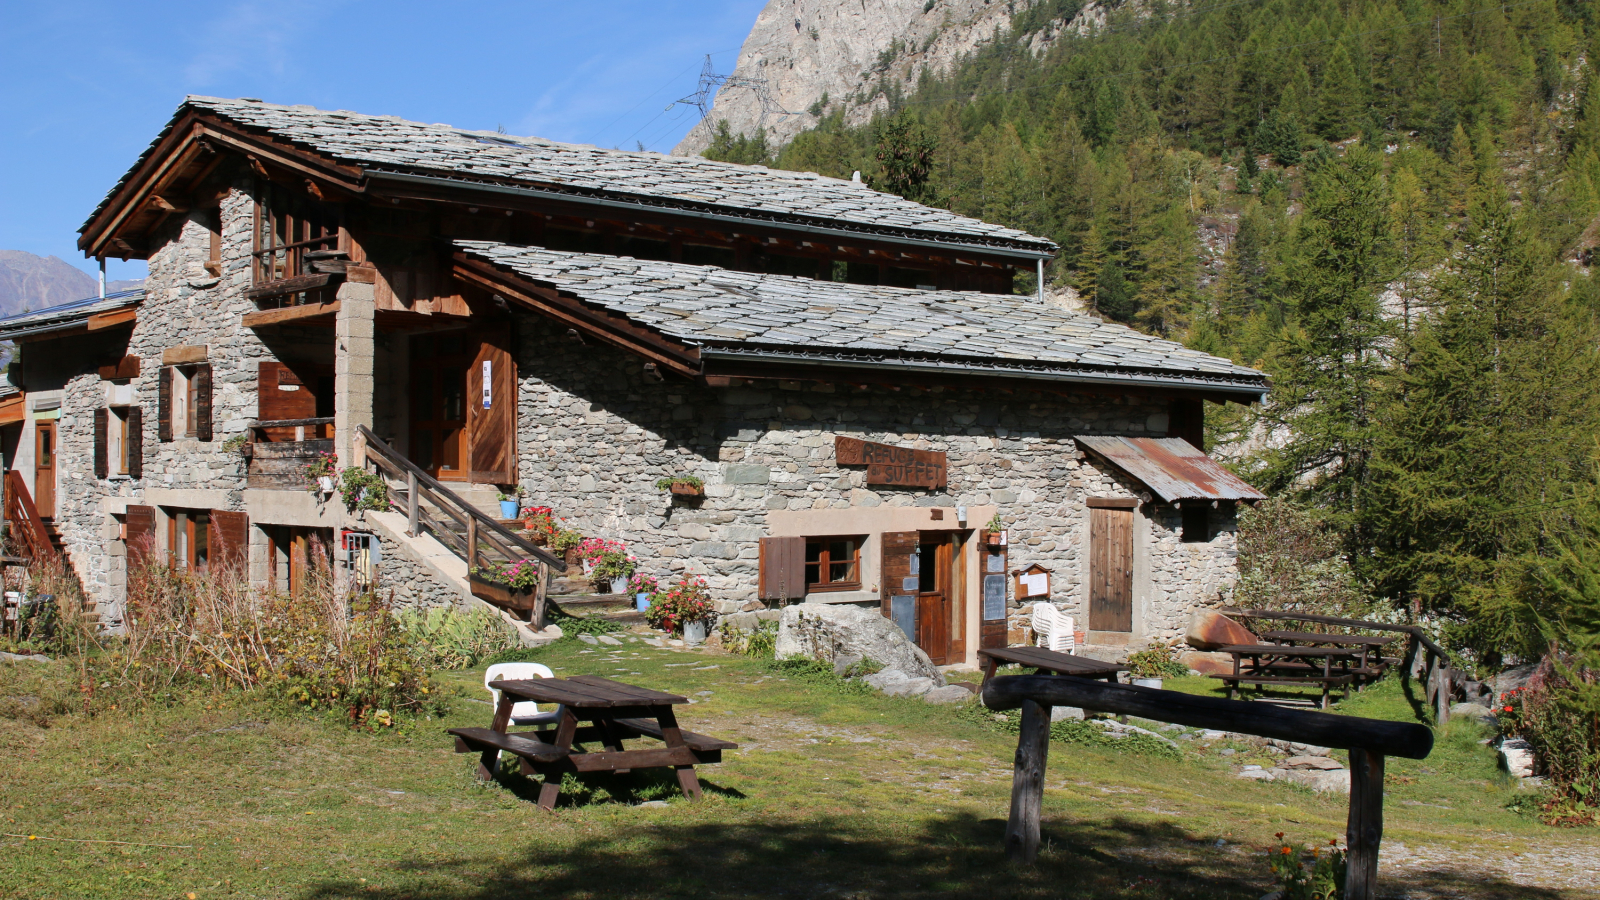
{"x": 113, "y": 318}
{"x": 262, "y": 318}
{"x": 127, "y": 367}
{"x": 1364, "y": 828}
{"x": 615, "y": 329}
{"x": 288, "y": 286}
{"x": 13, "y": 410}
{"x": 1027, "y": 783}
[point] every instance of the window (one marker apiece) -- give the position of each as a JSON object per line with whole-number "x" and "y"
{"x": 833, "y": 564}
{"x": 189, "y": 538}
{"x": 1196, "y": 523}
{"x": 213, "y": 221}
{"x": 117, "y": 441}
{"x": 185, "y": 411}
{"x": 288, "y": 226}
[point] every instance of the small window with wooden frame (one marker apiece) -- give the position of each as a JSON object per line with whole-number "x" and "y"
{"x": 211, "y": 217}
{"x": 184, "y": 400}
{"x": 833, "y": 564}
{"x": 118, "y": 445}
{"x": 189, "y": 538}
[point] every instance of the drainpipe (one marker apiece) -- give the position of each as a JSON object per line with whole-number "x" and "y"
{"x": 102, "y": 278}
{"x": 1040, "y": 261}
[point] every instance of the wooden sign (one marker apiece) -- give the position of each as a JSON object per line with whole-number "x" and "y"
{"x": 896, "y": 466}
{"x": 1034, "y": 581}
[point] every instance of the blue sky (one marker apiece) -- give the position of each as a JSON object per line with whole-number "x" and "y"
{"x": 87, "y": 85}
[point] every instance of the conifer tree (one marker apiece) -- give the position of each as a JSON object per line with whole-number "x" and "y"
{"x": 1340, "y": 104}
{"x": 1328, "y": 370}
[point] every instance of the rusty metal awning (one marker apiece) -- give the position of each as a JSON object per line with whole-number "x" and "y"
{"x": 1171, "y": 468}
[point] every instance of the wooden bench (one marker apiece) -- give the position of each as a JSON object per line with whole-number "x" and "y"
{"x": 708, "y": 748}
{"x": 1233, "y": 682}
{"x": 479, "y": 740}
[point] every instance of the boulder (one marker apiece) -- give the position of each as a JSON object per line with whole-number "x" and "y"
{"x": 1211, "y": 630}
{"x": 950, "y": 693}
{"x": 1475, "y": 711}
{"x": 1512, "y": 679}
{"x": 1324, "y": 780}
{"x": 896, "y": 683}
{"x": 1516, "y": 755}
{"x": 1310, "y": 762}
{"x": 824, "y": 631}
{"x": 1294, "y": 748}
{"x": 1207, "y": 663}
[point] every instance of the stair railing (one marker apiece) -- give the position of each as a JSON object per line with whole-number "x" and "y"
{"x": 481, "y": 529}
{"x": 23, "y": 516}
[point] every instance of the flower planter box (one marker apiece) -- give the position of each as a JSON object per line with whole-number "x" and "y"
{"x": 570, "y": 556}
{"x": 687, "y": 490}
{"x": 502, "y": 595}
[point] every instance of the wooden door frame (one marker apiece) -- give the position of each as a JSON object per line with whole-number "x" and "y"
{"x": 944, "y": 588}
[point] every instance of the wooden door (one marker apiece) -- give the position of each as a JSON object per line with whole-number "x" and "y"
{"x": 1110, "y": 569}
{"x": 439, "y": 404}
{"x": 44, "y": 469}
{"x": 492, "y": 409}
{"x": 898, "y": 564}
{"x": 281, "y": 395}
{"x": 933, "y": 597}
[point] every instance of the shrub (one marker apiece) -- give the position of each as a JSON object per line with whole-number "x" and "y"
{"x": 322, "y": 650}
{"x": 760, "y": 642}
{"x": 1289, "y": 562}
{"x": 1565, "y": 737}
{"x": 689, "y": 600}
{"x": 1156, "y": 661}
{"x": 446, "y": 637}
{"x": 572, "y": 626}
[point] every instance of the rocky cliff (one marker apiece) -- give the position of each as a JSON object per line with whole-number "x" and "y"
{"x": 808, "y": 57}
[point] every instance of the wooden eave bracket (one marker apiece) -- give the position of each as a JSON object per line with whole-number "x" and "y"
{"x": 614, "y": 329}
{"x": 194, "y": 136}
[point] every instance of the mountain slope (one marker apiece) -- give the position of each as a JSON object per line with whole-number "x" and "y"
{"x": 35, "y": 282}
{"x": 816, "y": 56}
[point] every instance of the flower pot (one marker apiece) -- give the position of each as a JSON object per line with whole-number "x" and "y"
{"x": 641, "y": 601}
{"x": 687, "y": 490}
{"x": 588, "y": 567}
{"x": 508, "y": 509}
{"x": 536, "y": 538}
{"x": 1079, "y": 638}
{"x": 694, "y": 632}
{"x": 1147, "y": 682}
{"x": 326, "y": 483}
{"x": 619, "y": 585}
{"x": 570, "y": 556}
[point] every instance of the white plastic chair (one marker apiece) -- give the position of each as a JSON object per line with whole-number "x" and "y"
{"x": 526, "y": 712}
{"x": 1053, "y": 627}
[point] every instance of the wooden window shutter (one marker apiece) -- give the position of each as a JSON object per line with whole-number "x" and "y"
{"x": 164, "y": 404}
{"x": 201, "y": 385}
{"x": 141, "y": 535}
{"x": 133, "y": 444}
{"x": 492, "y": 432}
{"x": 783, "y": 568}
{"x": 228, "y": 536}
{"x": 281, "y": 395}
{"x": 102, "y": 457}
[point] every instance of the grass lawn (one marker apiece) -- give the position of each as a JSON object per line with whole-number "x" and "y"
{"x": 831, "y": 794}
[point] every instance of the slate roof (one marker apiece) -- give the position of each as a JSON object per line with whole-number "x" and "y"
{"x": 65, "y": 315}
{"x": 747, "y": 315}
{"x": 388, "y": 145}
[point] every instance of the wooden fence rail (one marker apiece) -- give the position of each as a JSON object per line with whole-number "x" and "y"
{"x": 1368, "y": 740}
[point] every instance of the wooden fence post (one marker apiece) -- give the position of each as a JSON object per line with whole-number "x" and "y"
{"x": 1365, "y": 829}
{"x": 472, "y": 543}
{"x": 1027, "y": 783}
{"x": 1443, "y": 697}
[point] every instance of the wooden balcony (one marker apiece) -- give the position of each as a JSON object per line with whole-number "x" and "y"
{"x": 279, "y": 451}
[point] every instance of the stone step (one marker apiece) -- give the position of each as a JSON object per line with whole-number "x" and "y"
{"x": 592, "y": 600}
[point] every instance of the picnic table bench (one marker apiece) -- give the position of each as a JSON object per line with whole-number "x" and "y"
{"x": 615, "y": 711}
{"x": 1042, "y": 661}
{"x": 1286, "y": 664}
{"x": 1364, "y": 643}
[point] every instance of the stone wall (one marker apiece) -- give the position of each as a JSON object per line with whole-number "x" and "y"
{"x": 596, "y": 433}
{"x": 409, "y": 580}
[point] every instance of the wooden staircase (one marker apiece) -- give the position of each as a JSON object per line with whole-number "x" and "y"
{"x": 34, "y": 539}
{"x": 468, "y": 532}
{"x": 573, "y": 595}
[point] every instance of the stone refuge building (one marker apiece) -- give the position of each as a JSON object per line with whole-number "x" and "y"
{"x": 876, "y": 417}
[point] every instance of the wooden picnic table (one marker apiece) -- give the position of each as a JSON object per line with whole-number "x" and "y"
{"x": 1047, "y": 661}
{"x": 615, "y": 711}
{"x": 1365, "y": 643}
{"x": 1285, "y": 664}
